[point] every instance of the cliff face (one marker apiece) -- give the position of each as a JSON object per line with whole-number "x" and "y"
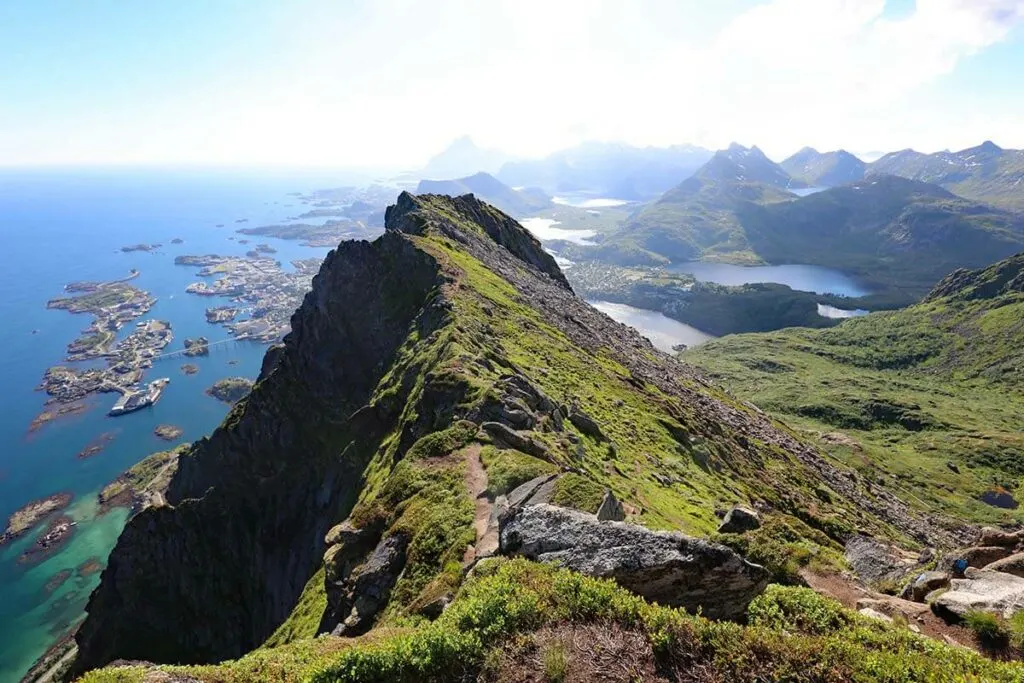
{"x": 451, "y": 335}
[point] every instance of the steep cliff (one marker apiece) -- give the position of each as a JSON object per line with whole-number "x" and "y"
{"x": 450, "y": 343}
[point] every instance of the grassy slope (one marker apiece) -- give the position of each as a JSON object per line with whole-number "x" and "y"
{"x": 419, "y": 489}
{"x": 929, "y": 396}
{"x": 794, "y": 635}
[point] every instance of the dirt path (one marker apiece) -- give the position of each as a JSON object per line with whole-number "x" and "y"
{"x": 476, "y": 484}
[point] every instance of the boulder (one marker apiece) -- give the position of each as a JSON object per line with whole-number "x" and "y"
{"x": 610, "y": 509}
{"x": 875, "y": 561}
{"x": 665, "y": 567}
{"x": 537, "y": 490}
{"x": 985, "y": 590}
{"x": 991, "y": 536}
{"x": 1012, "y": 564}
{"x": 738, "y": 520}
{"x": 513, "y": 439}
{"x": 893, "y": 607}
{"x": 923, "y": 584}
{"x": 874, "y": 614}
{"x": 368, "y": 587}
{"x": 586, "y": 424}
{"x": 982, "y": 556}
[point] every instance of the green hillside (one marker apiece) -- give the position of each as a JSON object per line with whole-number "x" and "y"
{"x": 925, "y": 400}
{"x": 351, "y": 495}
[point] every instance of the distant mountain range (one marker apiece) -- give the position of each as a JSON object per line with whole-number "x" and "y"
{"x": 899, "y": 234}
{"x": 488, "y": 188}
{"x": 824, "y": 169}
{"x": 986, "y": 173}
{"x": 462, "y": 158}
{"x": 608, "y": 170}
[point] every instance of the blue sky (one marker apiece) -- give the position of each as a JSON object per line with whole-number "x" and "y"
{"x": 386, "y": 83}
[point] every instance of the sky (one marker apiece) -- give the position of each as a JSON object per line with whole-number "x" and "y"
{"x": 388, "y": 83}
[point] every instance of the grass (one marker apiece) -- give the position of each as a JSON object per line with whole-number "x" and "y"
{"x": 507, "y": 469}
{"x": 555, "y": 663}
{"x": 924, "y": 401}
{"x": 988, "y": 627}
{"x": 305, "y": 617}
{"x": 794, "y": 634}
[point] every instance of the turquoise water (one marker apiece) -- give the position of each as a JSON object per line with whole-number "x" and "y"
{"x": 59, "y": 226}
{"x": 804, "y": 278}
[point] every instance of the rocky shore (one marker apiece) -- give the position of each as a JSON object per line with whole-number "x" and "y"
{"x": 29, "y": 515}
{"x": 256, "y": 285}
{"x": 168, "y": 432}
{"x": 97, "y": 445}
{"x": 57, "y": 533}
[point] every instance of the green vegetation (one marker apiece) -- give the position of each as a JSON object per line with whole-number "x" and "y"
{"x": 305, "y": 618}
{"x": 988, "y": 627}
{"x": 923, "y": 401}
{"x": 507, "y": 469}
{"x": 794, "y": 634}
{"x": 577, "y": 492}
{"x": 785, "y": 546}
{"x": 824, "y": 169}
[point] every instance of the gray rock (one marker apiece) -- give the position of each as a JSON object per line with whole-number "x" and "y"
{"x": 874, "y": 614}
{"x": 985, "y": 590}
{"x": 1013, "y": 564}
{"x": 991, "y": 536}
{"x": 982, "y": 556}
{"x": 669, "y": 568}
{"x": 738, "y": 520}
{"x": 875, "y": 561}
{"x": 522, "y": 494}
{"x": 924, "y": 584}
{"x": 893, "y": 607}
{"x": 368, "y": 587}
{"x": 610, "y": 509}
{"x": 513, "y": 439}
{"x": 586, "y": 424}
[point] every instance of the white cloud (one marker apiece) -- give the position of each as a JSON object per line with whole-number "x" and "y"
{"x": 390, "y": 82}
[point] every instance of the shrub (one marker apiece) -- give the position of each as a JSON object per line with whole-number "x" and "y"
{"x": 988, "y": 627}
{"x": 555, "y": 663}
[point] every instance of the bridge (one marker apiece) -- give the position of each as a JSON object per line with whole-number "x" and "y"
{"x": 211, "y": 346}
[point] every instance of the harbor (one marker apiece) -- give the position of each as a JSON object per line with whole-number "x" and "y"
{"x": 135, "y": 400}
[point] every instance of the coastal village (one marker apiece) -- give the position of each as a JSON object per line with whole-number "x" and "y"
{"x": 263, "y": 295}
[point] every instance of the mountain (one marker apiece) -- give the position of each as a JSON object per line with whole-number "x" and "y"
{"x": 491, "y": 190}
{"x": 699, "y": 217}
{"x": 928, "y": 398}
{"x": 608, "y": 170}
{"x": 986, "y": 173}
{"x": 360, "y": 490}
{"x": 824, "y": 169}
{"x": 462, "y": 158}
{"x": 889, "y": 231}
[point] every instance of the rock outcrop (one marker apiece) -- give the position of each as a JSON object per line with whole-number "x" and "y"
{"x": 1012, "y": 564}
{"x": 668, "y": 568}
{"x": 739, "y": 519}
{"x": 984, "y": 590}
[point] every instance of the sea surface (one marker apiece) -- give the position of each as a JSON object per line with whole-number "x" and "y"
{"x": 64, "y": 225}
{"x": 544, "y": 229}
{"x": 664, "y": 332}
{"x": 805, "y": 278}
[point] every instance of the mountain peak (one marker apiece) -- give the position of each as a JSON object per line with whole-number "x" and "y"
{"x": 1004, "y": 277}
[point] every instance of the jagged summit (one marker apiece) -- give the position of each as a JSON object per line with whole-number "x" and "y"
{"x": 456, "y": 217}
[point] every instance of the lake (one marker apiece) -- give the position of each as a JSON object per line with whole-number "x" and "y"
{"x": 805, "y": 278}
{"x": 664, "y": 332}
{"x": 584, "y": 202}
{"x": 543, "y": 229}
{"x": 826, "y": 311}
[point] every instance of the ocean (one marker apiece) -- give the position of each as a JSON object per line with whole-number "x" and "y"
{"x": 59, "y": 226}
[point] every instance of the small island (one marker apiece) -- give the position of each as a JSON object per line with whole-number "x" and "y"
{"x": 200, "y": 346}
{"x": 221, "y": 314}
{"x": 189, "y": 368}
{"x": 96, "y": 445}
{"x": 23, "y": 519}
{"x": 177, "y": 240}
{"x": 140, "y": 247}
{"x": 265, "y": 248}
{"x": 168, "y": 432}
{"x": 57, "y": 533}
{"x": 231, "y": 389}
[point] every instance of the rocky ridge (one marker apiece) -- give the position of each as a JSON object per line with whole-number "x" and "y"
{"x": 466, "y": 336}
